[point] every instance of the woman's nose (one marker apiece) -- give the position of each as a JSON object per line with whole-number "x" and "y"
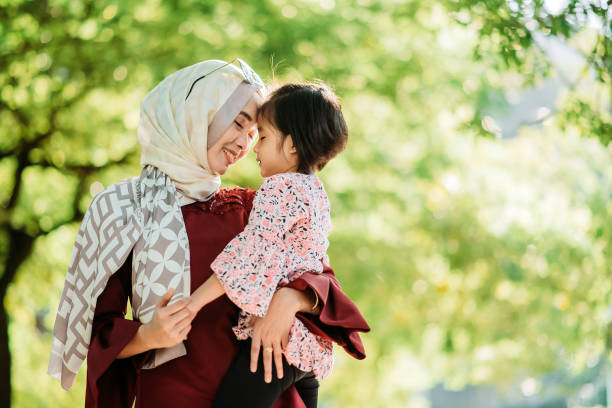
{"x": 242, "y": 141}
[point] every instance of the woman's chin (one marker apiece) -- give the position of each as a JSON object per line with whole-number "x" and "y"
{"x": 220, "y": 171}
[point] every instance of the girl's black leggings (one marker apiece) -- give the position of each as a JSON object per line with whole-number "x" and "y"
{"x": 242, "y": 388}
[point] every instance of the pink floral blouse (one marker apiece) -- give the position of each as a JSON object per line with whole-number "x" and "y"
{"x": 285, "y": 237}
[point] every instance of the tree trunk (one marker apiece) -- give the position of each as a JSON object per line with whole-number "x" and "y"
{"x": 5, "y": 359}
{"x": 19, "y": 249}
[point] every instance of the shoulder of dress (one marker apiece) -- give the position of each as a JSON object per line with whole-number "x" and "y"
{"x": 230, "y": 198}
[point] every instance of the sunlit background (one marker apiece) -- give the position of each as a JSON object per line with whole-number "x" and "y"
{"x": 472, "y": 211}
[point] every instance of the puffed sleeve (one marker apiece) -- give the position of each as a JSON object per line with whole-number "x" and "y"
{"x": 111, "y": 382}
{"x": 253, "y": 264}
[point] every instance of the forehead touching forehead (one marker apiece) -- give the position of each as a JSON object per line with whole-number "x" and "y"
{"x": 233, "y": 111}
{"x": 264, "y": 121}
{"x": 251, "y": 109}
{"x": 248, "y": 116}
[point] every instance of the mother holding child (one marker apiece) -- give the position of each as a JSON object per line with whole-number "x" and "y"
{"x": 172, "y": 243}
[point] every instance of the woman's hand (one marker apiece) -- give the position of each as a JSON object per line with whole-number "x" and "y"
{"x": 272, "y": 331}
{"x": 170, "y": 324}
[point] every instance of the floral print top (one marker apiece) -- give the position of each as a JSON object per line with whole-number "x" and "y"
{"x": 285, "y": 237}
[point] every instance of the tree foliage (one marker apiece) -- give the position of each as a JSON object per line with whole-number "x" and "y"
{"x": 475, "y": 260}
{"x": 510, "y": 29}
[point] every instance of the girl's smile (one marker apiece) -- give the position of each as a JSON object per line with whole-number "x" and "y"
{"x": 274, "y": 153}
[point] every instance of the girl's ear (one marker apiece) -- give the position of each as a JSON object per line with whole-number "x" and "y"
{"x": 290, "y": 147}
{"x": 290, "y": 152}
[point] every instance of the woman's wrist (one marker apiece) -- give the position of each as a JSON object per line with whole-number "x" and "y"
{"x": 138, "y": 344}
{"x": 290, "y": 299}
{"x": 300, "y": 301}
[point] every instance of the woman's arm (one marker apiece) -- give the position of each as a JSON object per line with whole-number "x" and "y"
{"x": 339, "y": 319}
{"x": 114, "y": 338}
{"x": 306, "y": 301}
{"x": 111, "y": 331}
{"x": 273, "y": 329}
{"x": 335, "y": 317}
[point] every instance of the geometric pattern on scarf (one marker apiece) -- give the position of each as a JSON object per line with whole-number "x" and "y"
{"x": 143, "y": 214}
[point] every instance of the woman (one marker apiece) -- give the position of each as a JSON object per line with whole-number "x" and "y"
{"x": 152, "y": 239}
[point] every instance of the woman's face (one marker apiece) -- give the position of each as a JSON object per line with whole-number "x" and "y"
{"x": 236, "y": 141}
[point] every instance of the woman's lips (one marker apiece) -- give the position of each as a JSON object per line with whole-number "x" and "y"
{"x": 230, "y": 156}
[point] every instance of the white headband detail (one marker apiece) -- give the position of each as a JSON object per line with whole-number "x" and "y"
{"x": 229, "y": 111}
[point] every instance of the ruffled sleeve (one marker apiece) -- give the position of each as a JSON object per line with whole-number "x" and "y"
{"x": 253, "y": 264}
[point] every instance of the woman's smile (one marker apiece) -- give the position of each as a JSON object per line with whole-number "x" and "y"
{"x": 235, "y": 141}
{"x": 230, "y": 155}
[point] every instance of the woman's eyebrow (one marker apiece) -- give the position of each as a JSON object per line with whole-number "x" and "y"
{"x": 246, "y": 115}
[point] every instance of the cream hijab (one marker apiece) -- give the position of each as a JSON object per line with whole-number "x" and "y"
{"x": 183, "y": 116}
{"x": 185, "y": 113}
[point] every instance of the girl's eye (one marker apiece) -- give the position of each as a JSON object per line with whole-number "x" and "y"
{"x": 238, "y": 124}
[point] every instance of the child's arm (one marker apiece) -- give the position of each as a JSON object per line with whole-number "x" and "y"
{"x": 206, "y": 293}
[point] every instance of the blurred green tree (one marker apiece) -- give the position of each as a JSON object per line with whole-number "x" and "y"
{"x": 509, "y": 28}
{"x": 491, "y": 256}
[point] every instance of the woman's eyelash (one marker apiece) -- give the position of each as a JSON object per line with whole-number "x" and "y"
{"x": 238, "y": 124}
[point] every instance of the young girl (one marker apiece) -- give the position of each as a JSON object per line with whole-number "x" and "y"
{"x": 301, "y": 127}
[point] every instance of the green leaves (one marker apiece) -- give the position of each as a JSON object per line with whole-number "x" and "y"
{"x": 474, "y": 260}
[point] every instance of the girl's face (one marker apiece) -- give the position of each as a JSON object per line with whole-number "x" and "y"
{"x": 236, "y": 141}
{"x": 274, "y": 155}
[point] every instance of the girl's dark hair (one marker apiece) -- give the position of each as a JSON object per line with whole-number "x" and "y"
{"x": 312, "y": 115}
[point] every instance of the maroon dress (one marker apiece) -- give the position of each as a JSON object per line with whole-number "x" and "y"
{"x": 192, "y": 380}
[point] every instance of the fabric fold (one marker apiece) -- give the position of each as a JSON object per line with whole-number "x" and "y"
{"x": 142, "y": 215}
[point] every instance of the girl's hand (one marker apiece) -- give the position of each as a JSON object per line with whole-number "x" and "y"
{"x": 170, "y": 324}
{"x": 272, "y": 331}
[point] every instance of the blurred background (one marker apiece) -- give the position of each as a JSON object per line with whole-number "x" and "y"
{"x": 472, "y": 211}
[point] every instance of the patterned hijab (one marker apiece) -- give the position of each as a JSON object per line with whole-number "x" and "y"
{"x": 180, "y": 117}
